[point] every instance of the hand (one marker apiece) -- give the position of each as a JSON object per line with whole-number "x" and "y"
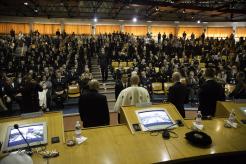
{"x": 8, "y": 99}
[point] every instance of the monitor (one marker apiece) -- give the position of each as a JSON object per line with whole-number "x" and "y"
{"x": 35, "y": 134}
{"x": 154, "y": 119}
{"x": 243, "y": 109}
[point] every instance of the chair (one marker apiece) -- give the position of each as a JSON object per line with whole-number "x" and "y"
{"x": 130, "y": 64}
{"x": 115, "y": 64}
{"x": 167, "y": 86}
{"x": 157, "y": 88}
{"x": 202, "y": 65}
{"x": 224, "y": 58}
{"x": 157, "y": 69}
{"x": 73, "y": 91}
{"x": 123, "y": 64}
{"x": 229, "y": 88}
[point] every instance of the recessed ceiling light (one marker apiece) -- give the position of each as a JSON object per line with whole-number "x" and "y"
{"x": 95, "y": 19}
{"x": 176, "y": 21}
{"x": 134, "y": 19}
{"x": 35, "y": 10}
{"x": 149, "y": 21}
{"x": 26, "y": 3}
{"x": 198, "y": 21}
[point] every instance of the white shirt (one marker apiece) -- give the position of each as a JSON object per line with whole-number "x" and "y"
{"x": 131, "y": 96}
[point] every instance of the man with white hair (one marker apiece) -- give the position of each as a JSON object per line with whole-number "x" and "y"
{"x": 132, "y": 95}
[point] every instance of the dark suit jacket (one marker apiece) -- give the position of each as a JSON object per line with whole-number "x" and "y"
{"x": 179, "y": 95}
{"x": 209, "y": 93}
{"x": 93, "y": 109}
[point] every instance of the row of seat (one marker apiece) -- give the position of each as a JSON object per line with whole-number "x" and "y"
{"x": 126, "y": 65}
{"x": 162, "y": 88}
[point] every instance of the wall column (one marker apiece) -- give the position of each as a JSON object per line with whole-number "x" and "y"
{"x": 122, "y": 28}
{"x": 234, "y": 29}
{"x": 149, "y": 29}
{"x": 62, "y": 26}
{"x": 176, "y": 31}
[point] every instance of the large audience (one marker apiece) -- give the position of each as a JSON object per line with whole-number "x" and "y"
{"x": 55, "y": 62}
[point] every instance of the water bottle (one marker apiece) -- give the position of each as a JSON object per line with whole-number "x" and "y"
{"x": 199, "y": 118}
{"x": 77, "y": 130}
{"x": 232, "y": 117}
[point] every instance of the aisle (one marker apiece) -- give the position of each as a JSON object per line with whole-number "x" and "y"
{"x": 106, "y": 88}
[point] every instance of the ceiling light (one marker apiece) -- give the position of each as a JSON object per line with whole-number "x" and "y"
{"x": 183, "y": 11}
{"x": 198, "y": 21}
{"x": 134, "y": 19}
{"x": 95, "y": 19}
{"x": 176, "y": 21}
{"x": 35, "y": 10}
{"x": 149, "y": 21}
{"x": 157, "y": 8}
{"x": 121, "y": 20}
{"x": 25, "y": 3}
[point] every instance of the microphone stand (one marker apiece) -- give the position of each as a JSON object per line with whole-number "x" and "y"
{"x": 28, "y": 149}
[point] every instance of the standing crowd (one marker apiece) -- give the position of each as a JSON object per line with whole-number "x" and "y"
{"x": 40, "y": 68}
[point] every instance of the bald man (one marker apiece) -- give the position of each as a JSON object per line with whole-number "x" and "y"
{"x": 132, "y": 95}
{"x": 178, "y": 94}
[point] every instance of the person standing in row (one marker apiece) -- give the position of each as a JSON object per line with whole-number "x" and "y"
{"x": 209, "y": 93}
{"x": 178, "y": 94}
{"x": 93, "y": 106}
{"x": 132, "y": 95}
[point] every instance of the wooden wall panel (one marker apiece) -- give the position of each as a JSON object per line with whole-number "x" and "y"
{"x": 156, "y": 29}
{"x": 17, "y": 27}
{"x": 136, "y": 30}
{"x": 77, "y": 29}
{"x": 48, "y": 29}
{"x": 197, "y": 31}
{"x": 107, "y": 29}
{"x": 219, "y": 31}
{"x": 241, "y": 32}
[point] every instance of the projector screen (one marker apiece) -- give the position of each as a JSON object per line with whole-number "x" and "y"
{"x": 35, "y": 134}
{"x": 154, "y": 119}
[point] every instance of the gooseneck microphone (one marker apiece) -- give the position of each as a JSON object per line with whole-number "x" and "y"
{"x": 28, "y": 149}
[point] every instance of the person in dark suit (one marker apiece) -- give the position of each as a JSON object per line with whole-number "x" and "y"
{"x": 240, "y": 91}
{"x": 93, "y": 107}
{"x": 30, "y": 99}
{"x": 121, "y": 84}
{"x": 178, "y": 94}
{"x": 103, "y": 65}
{"x": 209, "y": 93}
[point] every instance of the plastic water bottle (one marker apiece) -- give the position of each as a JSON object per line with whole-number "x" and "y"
{"x": 232, "y": 116}
{"x": 77, "y": 130}
{"x": 199, "y": 118}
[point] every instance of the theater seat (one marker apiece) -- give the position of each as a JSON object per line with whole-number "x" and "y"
{"x": 115, "y": 64}
{"x": 202, "y": 65}
{"x": 129, "y": 64}
{"x": 229, "y": 88}
{"x": 73, "y": 91}
{"x": 157, "y": 88}
{"x": 167, "y": 86}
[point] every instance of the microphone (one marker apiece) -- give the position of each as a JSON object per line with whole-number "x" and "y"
{"x": 28, "y": 149}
